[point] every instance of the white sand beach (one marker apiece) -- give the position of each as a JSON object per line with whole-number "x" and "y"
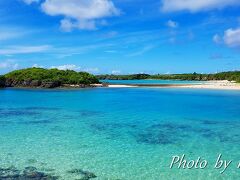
{"x": 228, "y": 85}
{"x": 223, "y": 84}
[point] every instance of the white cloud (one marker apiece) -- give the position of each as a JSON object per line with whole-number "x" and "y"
{"x": 24, "y": 49}
{"x": 79, "y": 14}
{"x": 115, "y": 72}
{"x": 68, "y": 25}
{"x": 67, "y": 67}
{"x": 8, "y": 64}
{"x": 75, "y": 68}
{"x": 217, "y": 39}
{"x": 83, "y": 9}
{"x": 196, "y": 5}
{"x": 172, "y": 24}
{"x": 30, "y": 1}
{"x": 232, "y": 37}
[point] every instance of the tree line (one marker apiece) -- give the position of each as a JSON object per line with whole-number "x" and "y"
{"x": 40, "y": 76}
{"x": 231, "y": 76}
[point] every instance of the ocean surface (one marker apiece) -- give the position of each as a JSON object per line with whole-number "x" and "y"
{"x": 120, "y": 133}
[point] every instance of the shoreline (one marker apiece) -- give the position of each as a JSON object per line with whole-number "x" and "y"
{"x": 221, "y": 84}
{"x": 64, "y": 86}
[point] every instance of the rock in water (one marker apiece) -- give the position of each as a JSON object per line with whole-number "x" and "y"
{"x": 86, "y": 174}
{"x": 29, "y": 173}
{"x": 9, "y": 173}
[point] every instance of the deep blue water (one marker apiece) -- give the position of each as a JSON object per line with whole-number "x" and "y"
{"x": 119, "y": 133}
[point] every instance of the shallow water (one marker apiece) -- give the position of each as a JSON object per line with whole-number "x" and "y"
{"x": 125, "y": 133}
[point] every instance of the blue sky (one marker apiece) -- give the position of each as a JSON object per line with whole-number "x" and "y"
{"x": 120, "y": 36}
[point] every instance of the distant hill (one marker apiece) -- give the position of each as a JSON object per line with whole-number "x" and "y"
{"x": 46, "y": 78}
{"x": 231, "y": 76}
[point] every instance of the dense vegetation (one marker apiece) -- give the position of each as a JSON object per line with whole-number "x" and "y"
{"x": 50, "y": 78}
{"x": 47, "y": 78}
{"x": 2, "y": 81}
{"x": 231, "y": 76}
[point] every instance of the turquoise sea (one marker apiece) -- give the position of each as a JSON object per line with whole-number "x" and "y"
{"x": 119, "y": 133}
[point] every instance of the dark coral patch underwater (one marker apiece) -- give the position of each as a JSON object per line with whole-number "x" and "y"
{"x": 29, "y": 173}
{"x": 27, "y": 111}
{"x": 170, "y": 133}
{"x": 162, "y": 134}
{"x": 89, "y": 113}
{"x": 17, "y": 112}
{"x": 85, "y": 175}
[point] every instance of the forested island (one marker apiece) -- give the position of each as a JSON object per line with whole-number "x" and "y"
{"x": 231, "y": 76}
{"x": 47, "y": 78}
{"x": 52, "y": 78}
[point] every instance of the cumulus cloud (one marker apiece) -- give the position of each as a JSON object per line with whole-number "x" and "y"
{"x": 75, "y": 68}
{"x": 67, "y": 67}
{"x": 196, "y": 5}
{"x": 172, "y": 24}
{"x": 68, "y": 25}
{"x": 115, "y": 72}
{"x": 23, "y": 49}
{"x": 232, "y": 37}
{"x": 79, "y": 14}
